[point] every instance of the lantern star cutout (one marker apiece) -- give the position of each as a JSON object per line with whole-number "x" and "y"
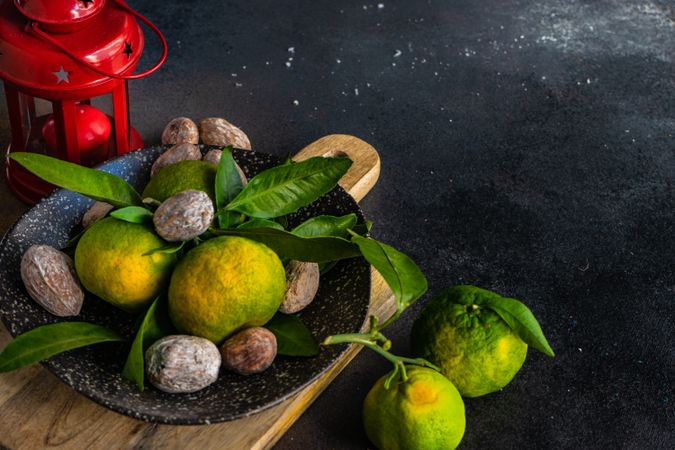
{"x": 128, "y": 50}
{"x": 86, "y": 2}
{"x": 62, "y": 75}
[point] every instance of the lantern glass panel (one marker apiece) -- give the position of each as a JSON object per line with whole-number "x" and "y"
{"x": 34, "y": 113}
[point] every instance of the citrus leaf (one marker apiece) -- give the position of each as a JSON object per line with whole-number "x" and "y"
{"x": 326, "y": 266}
{"x": 282, "y": 220}
{"x": 283, "y": 189}
{"x": 155, "y": 325}
{"x": 228, "y": 185}
{"x": 72, "y": 242}
{"x": 167, "y": 248}
{"x": 229, "y": 219}
{"x": 405, "y": 279}
{"x": 293, "y": 336}
{"x": 151, "y": 202}
{"x": 95, "y": 184}
{"x": 522, "y": 322}
{"x": 326, "y": 226}
{"x": 260, "y": 223}
{"x": 287, "y": 245}
{"x": 133, "y": 214}
{"x": 48, "y": 340}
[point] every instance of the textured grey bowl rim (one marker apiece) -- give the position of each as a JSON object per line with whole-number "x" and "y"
{"x": 120, "y": 408}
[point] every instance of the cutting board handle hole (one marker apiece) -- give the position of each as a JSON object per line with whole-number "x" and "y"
{"x": 335, "y": 154}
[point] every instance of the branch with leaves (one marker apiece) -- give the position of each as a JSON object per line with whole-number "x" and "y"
{"x": 407, "y": 283}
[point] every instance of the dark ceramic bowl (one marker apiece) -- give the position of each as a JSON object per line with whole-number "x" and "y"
{"x": 340, "y": 307}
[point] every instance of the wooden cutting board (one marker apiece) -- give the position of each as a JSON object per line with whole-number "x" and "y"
{"x": 37, "y": 410}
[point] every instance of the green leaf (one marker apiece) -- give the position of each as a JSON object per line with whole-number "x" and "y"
{"x": 93, "y": 183}
{"x": 521, "y": 320}
{"x": 326, "y": 266}
{"x": 362, "y": 229}
{"x": 151, "y": 202}
{"x": 282, "y": 220}
{"x": 133, "y": 214}
{"x": 229, "y": 219}
{"x": 287, "y": 245}
{"x": 72, "y": 242}
{"x": 167, "y": 248}
{"x": 48, "y": 340}
{"x": 228, "y": 186}
{"x": 283, "y": 189}
{"x": 260, "y": 223}
{"x": 405, "y": 279}
{"x": 293, "y": 336}
{"x": 155, "y": 325}
{"x": 326, "y": 226}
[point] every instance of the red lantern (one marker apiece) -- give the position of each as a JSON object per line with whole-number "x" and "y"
{"x": 55, "y": 57}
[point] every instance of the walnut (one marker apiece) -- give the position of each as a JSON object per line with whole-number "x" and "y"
{"x": 184, "y": 216}
{"x": 179, "y": 130}
{"x": 250, "y": 351}
{"x": 177, "y": 153}
{"x": 213, "y": 157}
{"x": 182, "y": 364}
{"x": 50, "y": 279}
{"x": 97, "y": 212}
{"x": 217, "y": 131}
{"x": 302, "y": 283}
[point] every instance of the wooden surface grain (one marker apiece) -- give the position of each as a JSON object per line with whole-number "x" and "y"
{"x": 37, "y": 410}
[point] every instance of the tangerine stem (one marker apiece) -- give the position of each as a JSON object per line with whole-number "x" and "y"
{"x": 391, "y": 319}
{"x": 364, "y": 339}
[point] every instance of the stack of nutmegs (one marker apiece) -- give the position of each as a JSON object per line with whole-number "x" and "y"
{"x": 177, "y": 363}
{"x": 183, "y": 135}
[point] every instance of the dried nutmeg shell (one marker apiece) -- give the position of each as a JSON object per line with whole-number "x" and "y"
{"x": 179, "y": 152}
{"x": 50, "y": 279}
{"x": 179, "y": 130}
{"x": 302, "y": 283}
{"x": 213, "y": 157}
{"x": 218, "y": 131}
{"x": 183, "y": 216}
{"x": 250, "y": 351}
{"x": 97, "y": 212}
{"x": 182, "y": 364}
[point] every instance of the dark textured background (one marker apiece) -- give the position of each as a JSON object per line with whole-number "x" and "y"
{"x": 527, "y": 147}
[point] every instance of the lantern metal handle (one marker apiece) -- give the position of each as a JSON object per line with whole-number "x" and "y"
{"x": 165, "y": 48}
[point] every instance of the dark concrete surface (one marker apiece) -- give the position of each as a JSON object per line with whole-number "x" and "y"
{"x": 527, "y": 147}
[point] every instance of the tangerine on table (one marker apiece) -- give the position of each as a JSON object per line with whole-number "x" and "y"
{"x": 425, "y": 412}
{"x": 472, "y": 345}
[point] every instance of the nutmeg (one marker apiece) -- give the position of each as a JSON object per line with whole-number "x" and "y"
{"x": 250, "y": 351}
{"x": 182, "y": 364}
{"x": 179, "y": 152}
{"x": 50, "y": 279}
{"x": 97, "y": 212}
{"x": 183, "y": 216}
{"x": 220, "y": 132}
{"x": 179, "y": 130}
{"x": 302, "y": 284}
{"x": 213, "y": 157}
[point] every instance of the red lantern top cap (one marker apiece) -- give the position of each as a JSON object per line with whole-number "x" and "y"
{"x": 90, "y": 59}
{"x": 60, "y": 14}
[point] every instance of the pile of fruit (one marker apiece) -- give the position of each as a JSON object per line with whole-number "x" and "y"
{"x": 207, "y": 257}
{"x": 188, "y": 251}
